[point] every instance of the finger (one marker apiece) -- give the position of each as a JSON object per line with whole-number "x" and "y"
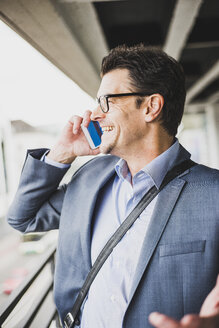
{"x": 192, "y": 321}
{"x": 215, "y": 294}
{"x": 95, "y": 151}
{"x": 75, "y": 121}
{"x": 216, "y": 287}
{"x": 217, "y": 282}
{"x": 195, "y": 321}
{"x": 86, "y": 118}
{"x": 162, "y": 321}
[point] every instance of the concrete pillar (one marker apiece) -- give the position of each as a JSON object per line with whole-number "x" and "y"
{"x": 212, "y": 126}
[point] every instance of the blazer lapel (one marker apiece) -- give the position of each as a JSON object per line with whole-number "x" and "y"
{"x": 166, "y": 201}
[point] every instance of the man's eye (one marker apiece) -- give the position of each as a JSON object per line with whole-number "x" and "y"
{"x": 111, "y": 101}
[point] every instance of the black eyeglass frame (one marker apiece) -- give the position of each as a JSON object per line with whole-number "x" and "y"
{"x": 115, "y": 95}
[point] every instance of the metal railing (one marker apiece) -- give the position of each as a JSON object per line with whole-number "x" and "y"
{"x": 31, "y": 304}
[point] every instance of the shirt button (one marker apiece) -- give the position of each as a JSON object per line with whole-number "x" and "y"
{"x": 113, "y": 298}
{"x": 128, "y": 232}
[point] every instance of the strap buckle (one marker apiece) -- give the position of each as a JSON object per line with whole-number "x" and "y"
{"x": 69, "y": 320}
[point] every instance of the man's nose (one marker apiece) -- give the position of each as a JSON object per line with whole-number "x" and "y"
{"x": 97, "y": 114}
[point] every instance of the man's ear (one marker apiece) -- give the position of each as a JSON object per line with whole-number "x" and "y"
{"x": 153, "y": 107}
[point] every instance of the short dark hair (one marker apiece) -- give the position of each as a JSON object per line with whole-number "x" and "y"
{"x": 151, "y": 70}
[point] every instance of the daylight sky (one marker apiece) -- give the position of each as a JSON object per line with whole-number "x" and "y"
{"x": 32, "y": 88}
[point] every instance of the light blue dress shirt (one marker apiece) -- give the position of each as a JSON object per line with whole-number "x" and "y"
{"x": 108, "y": 297}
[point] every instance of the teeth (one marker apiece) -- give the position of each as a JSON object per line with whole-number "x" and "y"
{"x": 107, "y": 128}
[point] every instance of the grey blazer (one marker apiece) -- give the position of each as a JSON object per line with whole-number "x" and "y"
{"x": 179, "y": 261}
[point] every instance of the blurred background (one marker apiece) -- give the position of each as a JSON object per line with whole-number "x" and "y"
{"x": 50, "y": 56}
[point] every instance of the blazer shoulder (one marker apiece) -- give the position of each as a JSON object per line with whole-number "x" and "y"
{"x": 203, "y": 174}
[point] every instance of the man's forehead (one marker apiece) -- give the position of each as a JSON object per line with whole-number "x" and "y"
{"x": 116, "y": 81}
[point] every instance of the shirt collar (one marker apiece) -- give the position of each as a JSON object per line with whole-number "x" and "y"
{"x": 122, "y": 170}
{"x": 156, "y": 169}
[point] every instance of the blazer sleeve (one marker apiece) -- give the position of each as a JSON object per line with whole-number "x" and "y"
{"x": 38, "y": 201}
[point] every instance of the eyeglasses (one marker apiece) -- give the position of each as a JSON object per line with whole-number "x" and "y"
{"x": 103, "y": 101}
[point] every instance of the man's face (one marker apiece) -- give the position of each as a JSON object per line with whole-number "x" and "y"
{"x": 123, "y": 126}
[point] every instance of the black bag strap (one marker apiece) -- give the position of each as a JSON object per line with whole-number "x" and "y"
{"x": 71, "y": 318}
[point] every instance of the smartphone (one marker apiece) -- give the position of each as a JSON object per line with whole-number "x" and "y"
{"x": 93, "y": 134}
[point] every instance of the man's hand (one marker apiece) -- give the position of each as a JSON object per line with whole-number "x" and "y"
{"x": 72, "y": 141}
{"x": 188, "y": 321}
{"x": 211, "y": 304}
{"x": 207, "y": 318}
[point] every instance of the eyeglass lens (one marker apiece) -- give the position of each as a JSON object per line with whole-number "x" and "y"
{"x": 103, "y": 104}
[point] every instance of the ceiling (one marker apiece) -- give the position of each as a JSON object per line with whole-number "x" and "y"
{"x": 76, "y": 34}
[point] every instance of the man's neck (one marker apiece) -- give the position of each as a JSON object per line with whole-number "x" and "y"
{"x": 138, "y": 159}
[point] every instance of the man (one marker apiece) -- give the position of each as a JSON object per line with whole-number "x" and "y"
{"x": 168, "y": 260}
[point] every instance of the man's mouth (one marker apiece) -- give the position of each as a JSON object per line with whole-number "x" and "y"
{"x": 107, "y": 128}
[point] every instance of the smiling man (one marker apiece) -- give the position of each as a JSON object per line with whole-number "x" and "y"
{"x": 168, "y": 259}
